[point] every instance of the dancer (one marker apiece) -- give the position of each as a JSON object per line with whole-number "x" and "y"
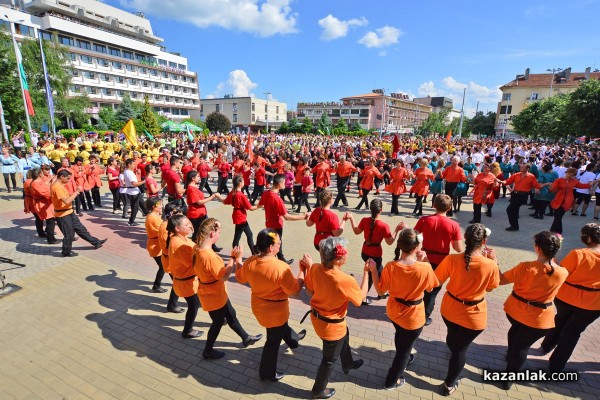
{"x": 397, "y": 186}
{"x": 240, "y": 203}
{"x": 326, "y": 222}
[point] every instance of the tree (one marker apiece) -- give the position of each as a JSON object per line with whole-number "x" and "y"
{"x": 307, "y": 126}
{"x": 283, "y": 128}
{"x": 294, "y": 125}
{"x": 548, "y": 118}
{"x": 107, "y": 115}
{"x": 482, "y": 124}
{"x": 584, "y": 108}
{"x": 216, "y": 121}
{"x": 149, "y": 118}
{"x": 341, "y": 128}
{"x": 125, "y": 110}
{"x": 356, "y": 127}
{"x": 435, "y": 123}
{"x": 324, "y": 125}
{"x": 525, "y": 123}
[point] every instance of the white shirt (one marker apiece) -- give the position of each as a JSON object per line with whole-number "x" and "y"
{"x": 560, "y": 170}
{"x": 586, "y": 177}
{"x": 477, "y": 158}
{"x": 129, "y": 179}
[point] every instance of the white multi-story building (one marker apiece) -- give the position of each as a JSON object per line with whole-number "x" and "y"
{"x": 247, "y": 112}
{"x": 113, "y": 52}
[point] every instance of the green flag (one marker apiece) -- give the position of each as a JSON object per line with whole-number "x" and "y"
{"x": 149, "y": 135}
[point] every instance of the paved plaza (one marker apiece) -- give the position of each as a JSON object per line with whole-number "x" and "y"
{"x": 90, "y": 327}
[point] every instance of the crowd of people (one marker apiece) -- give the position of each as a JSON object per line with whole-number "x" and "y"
{"x": 63, "y": 178}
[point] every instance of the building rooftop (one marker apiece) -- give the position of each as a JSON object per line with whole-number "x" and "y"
{"x": 573, "y": 79}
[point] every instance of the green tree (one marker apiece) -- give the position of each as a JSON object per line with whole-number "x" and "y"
{"x": 294, "y": 125}
{"x": 74, "y": 109}
{"x": 356, "y": 127}
{"x": 307, "y": 126}
{"x": 107, "y": 114}
{"x": 217, "y": 122}
{"x": 324, "y": 125}
{"x": 482, "y": 124}
{"x": 283, "y": 128}
{"x": 525, "y": 123}
{"x": 125, "y": 110}
{"x": 584, "y": 107}
{"x": 435, "y": 123}
{"x": 149, "y": 118}
{"x": 341, "y": 128}
{"x": 554, "y": 121}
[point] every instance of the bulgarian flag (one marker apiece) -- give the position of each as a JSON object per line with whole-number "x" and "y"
{"x": 23, "y": 77}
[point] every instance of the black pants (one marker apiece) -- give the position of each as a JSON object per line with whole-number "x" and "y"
{"x": 517, "y": 199}
{"x": 13, "y": 178}
{"x": 287, "y": 192}
{"x": 193, "y": 303}
{"x": 223, "y": 185}
{"x": 477, "y": 212}
{"x": 342, "y": 184}
{"x": 196, "y": 222}
{"x": 268, "y": 360}
{"x": 303, "y": 201}
{"x": 116, "y": 198}
{"x": 50, "y": 231}
{"x": 96, "y": 196}
{"x": 318, "y": 196}
{"x": 540, "y": 207}
{"x": 404, "y": 340}
{"x": 204, "y": 185}
{"x": 39, "y": 225}
{"x": 218, "y": 317}
{"x": 70, "y": 225}
{"x": 237, "y": 235}
{"x": 173, "y": 298}
{"x": 88, "y": 199}
{"x": 246, "y": 190}
{"x": 297, "y": 190}
{"x": 256, "y": 193}
{"x": 429, "y": 297}
{"x": 378, "y": 263}
{"x": 450, "y": 189}
{"x": 280, "y": 253}
{"x": 332, "y": 350}
{"x": 520, "y": 338}
{"x": 395, "y": 199}
{"x": 364, "y": 200}
{"x": 557, "y": 222}
{"x": 418, "y": 205}
{"x": 134, "y": 201}
{"x": 458, "y": 340}
{"x": 570, "y": 322}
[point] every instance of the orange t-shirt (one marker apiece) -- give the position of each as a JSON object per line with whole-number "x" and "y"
{"x": 162, "y": 242}
{"x": 368, "y": 177}
{"x": 483, "y": 275}
{"x": 484, "y": 186}
{"x": 584, "y": 269}
{"x": 333, "y": 289}
{"x": 532, "y": 282}
{"x": 58, "y": 192}
{"x": 407, "y": 282}
{"x": 523, "y": 183}
{"x": 42, "y": 199}
{"x": 152, "y": 224}
{"x": 210, "y": 269}
{"x": 272, "y": 281}
{"x": 299, "y": 173}
{"x": 180, "y": 262}
{"x": 454, "y": 174}
{"x": 345, "y": 169}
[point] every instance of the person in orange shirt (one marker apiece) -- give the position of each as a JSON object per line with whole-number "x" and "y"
{"x": 299, "y": 168}
{"x": 168, "y": 211}
{"x": 453, "y": 175}
{"x": 344, "y": 170}
{"x": 272, "y": 282}
{"x": 464, "y": 309}
{"x": 421, "y": 187}
{"x": 368, "y": 175}
{"x": 80, "y": 175}
{"x": 397, "y": 185}
{"x": 93, "y": 171}
{"x": 28, "y": 201}
{"x": 484, "y": 184}
{"x": 212, "y": 275}
{"x": 523, "y": 182}
{"x": 529, "y": 307}
{"x": 42, "y": 202}
{"x": 406, "y": 279}
{"x": 185, "y": 282}
{"x": 322, "y": 173}
{"x": 578, "y": 299}
{"x": 563, "y": 201}
{"x": 331, "y": 290}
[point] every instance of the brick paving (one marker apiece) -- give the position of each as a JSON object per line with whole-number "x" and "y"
{"x": 89, "y": 327}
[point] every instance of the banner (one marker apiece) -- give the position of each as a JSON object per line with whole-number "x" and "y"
{"x": 130, "y": 133}
{"x": 23, "y": 77}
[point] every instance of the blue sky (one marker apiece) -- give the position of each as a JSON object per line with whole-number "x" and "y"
{"x": 308, "y": 50}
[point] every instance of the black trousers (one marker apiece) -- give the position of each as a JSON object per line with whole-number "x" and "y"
{"x": 268, "y": 360}
{"x": 557, "y": 226}
{"x": 39, "y": 225}
{"x": 303, "y": 201}
{"x": 520, "y": 338}
{"x": 404, "y": 340}
{"x": 256, "y": 193}
{"x": 287, "y": 192}
{"x": 196, "y": 222}
{"x": 13, "y": 178}
{"x": 193, "y": 303}
{"x": 173, "y": 298}
{"x": 50, "y": 230}
{"x": 418, "y": 205}
{"x": 318, "y": 196}
{"x": 364, "y": 200}
{"x": 332, "y": 350}
{"x": 96, "y": 196}
{"x": 280, "y": 253}
{"x": 450, "y": 189}
{"x": 70, "y": 225}
{"x": 246, "y": 190}
{"x": 342, "y": 184}
{"x": 237, "y": 235}
{"x": 395, "y": 199}
{"x": 429, "y": 297}
{"x": 540, "y": 207}
{"x": 458, "y": 340}
{"x": 477, "y": 212}
{"x": 223, "y": 186}
{"x": 297, "y": 190}
{"x": 204, "y": 185}
{"x": 88, "y": 199}
{"x": 378, "y": 263}
{"x": 134, "y": 201}
{"x": 570, "y": 322}
{"x": 116, "y": 198}
{"x": 517, "y": 199}
{"x": 218, "y": 317}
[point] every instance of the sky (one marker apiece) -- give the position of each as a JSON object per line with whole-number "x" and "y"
{"x": 313, "y": 51}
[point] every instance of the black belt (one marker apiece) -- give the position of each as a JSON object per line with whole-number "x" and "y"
{"x": 209, "y": 283}
{"x": 369, "y": 244}
{"x": 324, "y": 233}
{"x": 153, "y": 238}
{"x": 520, "y": 192}
{"x": 322, "y": 317}
{"x": 587, "y": 289}
{"x": 66, "y": 209}
{"x": 275, "y": 301}
{"x": 186, "y": 278}
{"x": 531, "y": 303}
{"x": 409, "y": 303}
{"x": 466, "y": 302}
{"x": 434, "y": 252}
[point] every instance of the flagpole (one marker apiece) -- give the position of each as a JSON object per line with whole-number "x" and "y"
{"x": 19, "y": 76}
{"x": 3, "y": 123}
{"x": 49, "y": 98}
{"x": 462, "y": 114}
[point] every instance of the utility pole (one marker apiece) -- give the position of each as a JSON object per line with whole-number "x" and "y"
{"x": 462, "y": 113}
{"x": 267, "y": 94}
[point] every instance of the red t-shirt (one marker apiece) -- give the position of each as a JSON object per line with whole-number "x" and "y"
{"x": 141, "y": 167}
{"x": 274, "y": 209}
{"x": 259, "y": 177}
{"x": 438, "y": 234}
{"x": 240, "y": 204}
{"x": 381, "y": 231}
{"x": 325, "y": 224}
{"x": 184, "y": 171}
{"x": 113, "y": 172}
{"x": 224, "y": 170}
{"x": 246, "y": 175}
{"x": 193, "y": 194}
{"x": 203, "y": 170}
{"x": 172, "y": 178}
{"x": 150, "y": 181}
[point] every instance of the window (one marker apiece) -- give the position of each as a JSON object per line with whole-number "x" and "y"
{"x": 4, "y": 23}
{"x": 75, "y": 72}
{"x": 176, "y": 111}
{"x": 266, "y": 117}
{"x": 107, "y": 92}
{"x": 276, "y": 109}
{"x": 172, "y": 64}
{"x": 363, "y": 121}
{"x": 181, "y": 66}
{"x": 234, "y": 117}
{"x": 66, "y": 40}
{"x": 128, "y": 54}
{"x": 253, "y": 110}
{"x": 253, "y": 117}
{"x": 45, "y": 35}
{"x": 162, "y": 62}
{"x": 506, "y": 96}
{"x": 105, "y": 77}
{"x": 164, "y": 74}
{"x": 23, "y": 30}
{"x": 184, "y": 78}
{"x": 92, "y": 90}
{"x": 120, "y": 79}
{"x": 193, "y": 91}
{"x": 103, "y": 62}
{"x": 84, "y": 44}
{"x": 130, "y": 67}
{"x": 145, "y": 83}
{"x": 87, "y": 59}
{"x": 184, "y": 111}
{"x": 151, "y": 60}
{"x": 153, "y": 72}
{"x": 217, "y": 107}
{"x": 192, "y": 80}
{"x": 132, "y": 81}
{"x": 120, "y": 93}
{"x": 143, "y": 70}
{"x": 117, "y": 65}
{"x": 504, "y": 111}
{"x": 140, "y": 57}
{"x": 534, "y": 96}
{"x": 75, "y": 88}
{"x": 176, "y": 88}
{"x": 355, "y": 112}
{"x": 100, "y": 48}
{"x": 156, "y": 97}
{"x": 114, "y": 52}
{"x": 134, "y": 95}
{"x": 156, "y": 85}
{"x": 167, "y": 98}
{"x": 174, "y": 76}
{"x": 89, "y": 75}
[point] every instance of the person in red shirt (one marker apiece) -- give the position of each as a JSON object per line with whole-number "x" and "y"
{"x": 368, "y": 175}
{"x": 224, "y": 170}
{"x": 241, "y": 204}
{"x": 564, "y": 199}
{"x": 196, "y": 211}
{"x": 246, "y": 174}
{"x": 397, "y": 186}
{"x": 523, "y": 182}
{"x": 204, "y": 169}
{"x": 299, "y": 168}
{"x": 439, "y": 234}
{"x": 112, "y": 172}
{"x": 453, "y": 175}
{"x": 307, "y": 185}
{"x": 322, "y": 173}
{"x": 484, "y": 190}
{"x": 275, "y": 212}
{"x": 260, "y": 180}
{"x": 326, "y": 222}
{"x": 172, "y": 180}
{"x": 141, "y": 171}
{"x": 185, "y": 168}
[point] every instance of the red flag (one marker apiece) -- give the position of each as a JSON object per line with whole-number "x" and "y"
{"x": 249, "y": 146}
{"x": 395, "y": 144}
{"x": 449, "y": 135}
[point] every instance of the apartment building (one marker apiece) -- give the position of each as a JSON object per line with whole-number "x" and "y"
{"x": 113, "y": 52}
{"x": 247, "y": 112}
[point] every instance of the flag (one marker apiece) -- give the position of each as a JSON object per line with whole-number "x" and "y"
{"x": 149, "y": 135}
{"x": 395, "y": 144}
{"x": 249, "y": 146}
{"x": 449, "y": 135}
{"x": 23, "y": 78}
{"x": 189, "y": 133}
{"x": 3, "y": 123}
{"x": 130, "y": 133}
{"x": 49, "y": 97}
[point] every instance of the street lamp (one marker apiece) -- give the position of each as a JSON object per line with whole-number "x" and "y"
{"x": 267, "y": 94}
{"x": 554, "y": 71}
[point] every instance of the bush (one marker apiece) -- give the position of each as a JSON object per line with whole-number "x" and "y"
{"x": 68, "y": 133}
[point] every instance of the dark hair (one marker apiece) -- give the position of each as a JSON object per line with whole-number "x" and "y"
{"x": 148, "y": 167}
{"x": 375, "y": 207}
{"x": 189, "y": 177}
{"x": 442, "y": 203}
{"x": 78, "y": 159}
{"x": 173, "y": 160}
{"x": 35, "y": 172}
{"x": 474, "y": 237}
{"x": 324, "y": 198}
{"x": 590, "y": 234}
{"x": 63, "y": 172}
{"x": 407, "y": 242}
{"x": 128, "y": 162}
{"x": 237, "y": 180}
{"x": 171, "y": 209}
{"x": 264, "y": 240}
{"x": 151, "y": 202}
{"x": 173, "y": 223}
{"x": 549, "y": 244}
{"x": 278, "y": 179}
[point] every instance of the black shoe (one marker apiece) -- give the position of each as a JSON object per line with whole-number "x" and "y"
{"x": 213, "y": 355}
{"x": 357, "y": 208}
{"x": 301, "y": 334}
{"x": 325, "y": 394}
{"x": 511, "y": 229}
{"x": 159, "y": 290}
{"x": 383, "y": 296}
{"x": 428, "y": 321}
{"x": 449, "y": 214}
{"x": 411, "y": 359}
{"x": 100, "y": 243}
{"x": 133, "y": 224}
{"x": 447, "y": 391}
{"x": 355, "y": 365}
{"x": 549, "y": 215}
{"x": 334, "y": 206}
{"x": 176, "y": 310}
{"x": 506, "y": 385}
{"x": 488, "y": 213}
{"x": 250, "y": 340}
{"x": 395, "y": 385}
{"x": 52, "y": 241}
{"x": 70, "y": 254}
{"x": 538, "y": 216}
{"x": 290, "y": 261}
{"x": 80, "y": 215}
{"x": 278, "y": 376}
{"x": 216, "y": 249}
{"x": 42, "y": 235}
{"x": 366, "y": 302}
{"x": 192, "y": 334}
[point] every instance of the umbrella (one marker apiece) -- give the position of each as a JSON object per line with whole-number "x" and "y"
{"x": 191, "y": 127}
{"x": 171, "y": 126}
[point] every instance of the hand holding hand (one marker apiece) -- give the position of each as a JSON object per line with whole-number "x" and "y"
{"x": 237, "y": 252}
{"x": 307, "y": 215}
{"x": 400, "y": 226}
{"x": 371, "y": 266}
{"x": 305, "y": 263}
{"x": 421, "y": 255}
{"x": 488, "y": 252}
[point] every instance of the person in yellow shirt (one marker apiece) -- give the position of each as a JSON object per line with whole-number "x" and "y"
{"x": 55, "y": 156}
{"x": 72, "y": 152}
{"x": 87, "y": 143}
{"x": 105, "y": 155}
{"x": 85, "y": 154}
{"x": 99, "y": 146}
{"x": 155, "y": 153}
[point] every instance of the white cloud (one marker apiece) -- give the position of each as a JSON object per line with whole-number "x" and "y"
{"x": 238, "y": 84}
{"x": 382, "y": 37}
{"x": 260, "y": 17}
{"x": 334, "y": 28}
{"x": 488, "y": 97}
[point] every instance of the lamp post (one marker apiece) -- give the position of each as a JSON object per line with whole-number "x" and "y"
{"x": 554, "y": 71}
{"x": 267, "y": 94}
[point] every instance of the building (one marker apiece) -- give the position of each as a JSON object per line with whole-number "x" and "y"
{"x": 393, "y": 113}
{"x": 528, "y": 88}
{"x": 113, "y": 52}
{"x": 247, "y": 112}
{"x": 439, "y": 104}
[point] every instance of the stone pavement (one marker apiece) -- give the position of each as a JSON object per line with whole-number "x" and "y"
{"x": 89, "y": 327}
